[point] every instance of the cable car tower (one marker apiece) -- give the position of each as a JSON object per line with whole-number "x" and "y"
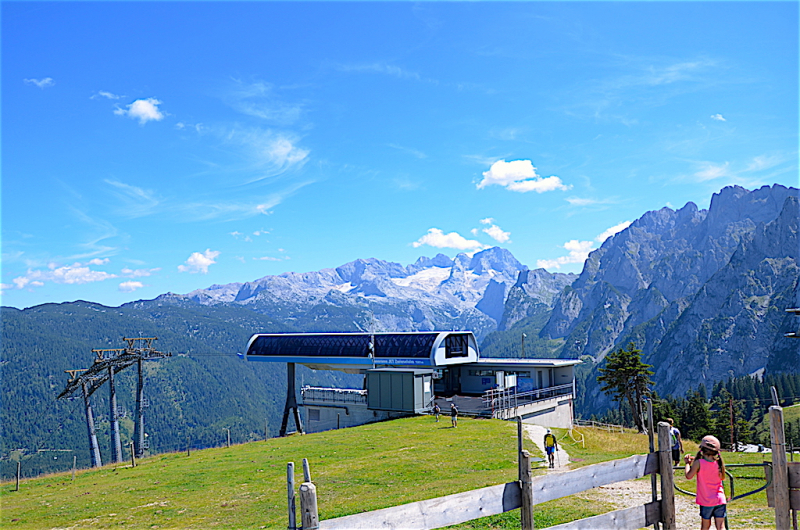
{"x": 107, "y": 363}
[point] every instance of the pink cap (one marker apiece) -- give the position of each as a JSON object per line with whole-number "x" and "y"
{"x": 710, "y": 442}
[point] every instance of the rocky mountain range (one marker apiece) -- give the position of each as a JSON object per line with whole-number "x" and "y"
{"x": 702, "y": 292}
{"x": 466, "y": 292}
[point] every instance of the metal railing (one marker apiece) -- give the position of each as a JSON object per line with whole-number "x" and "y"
{"x": 333, "y": 395}
{"x": 509, "y": 398}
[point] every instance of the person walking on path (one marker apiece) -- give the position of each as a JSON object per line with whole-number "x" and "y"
{"x": 709, "y": 469}
{"x": 454, "y": 414}
{"x": 436, "y": 411}
{"x": 550, "y": 447}
{"x": 677, "y": 442}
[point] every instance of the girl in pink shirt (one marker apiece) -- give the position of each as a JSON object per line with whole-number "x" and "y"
{"x": 709, "y": 469}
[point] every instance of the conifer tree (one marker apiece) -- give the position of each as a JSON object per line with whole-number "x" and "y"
{"x": 626, "y": 377}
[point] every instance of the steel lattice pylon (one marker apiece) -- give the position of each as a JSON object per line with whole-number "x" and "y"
{"x": 107, "y": 363}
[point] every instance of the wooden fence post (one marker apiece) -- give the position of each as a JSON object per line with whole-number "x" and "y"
{"x": 133, "y": 456}
{"x": 290, "y": 496}
{"x": 309, "y": 517}
{"x": 526, "y": 487}
{"x": 19, "y": 467}
{"x": 306, "y": 471}
{"x": 780, "y": 469}
{"x": 74, "y": 465}
{"x": 667, "y": 477}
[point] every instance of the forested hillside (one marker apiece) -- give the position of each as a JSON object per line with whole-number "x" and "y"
{"x": 203, "y": 389}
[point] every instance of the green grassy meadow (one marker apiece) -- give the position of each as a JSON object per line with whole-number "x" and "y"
{"x": 355, "y": 470}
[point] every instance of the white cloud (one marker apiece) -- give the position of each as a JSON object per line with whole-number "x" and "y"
{"x": 437, "y": 238}
{"x": 269, "y": 258}
{"x": 578, "y": 252}
{"x": 717, "y": 117}
{"x": 143, "y": 110}
{"x": 199, "y": 262}
{"x": 520, "y": 176}
{"x": 130, "y": 286}
{"x": 77, "y": 273}
{"x": 496, "y": 233}
{"x": 98, "y": 261}
{"x": 611, "y": 231}
{"x": 41, "y": 83}
{"x": 138, "y": 273}
{"x": 711, "y": 171}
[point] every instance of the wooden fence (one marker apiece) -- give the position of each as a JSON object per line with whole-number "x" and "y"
{"x": 529, "y": 491}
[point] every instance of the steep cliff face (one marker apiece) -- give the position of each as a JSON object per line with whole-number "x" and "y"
{"x": 661, "y": 258}
{"x": 699, "y": 313}
{"x": 533, "y": 291}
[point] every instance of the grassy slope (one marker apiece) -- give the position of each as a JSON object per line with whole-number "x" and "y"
{"x": 355, "y": 470}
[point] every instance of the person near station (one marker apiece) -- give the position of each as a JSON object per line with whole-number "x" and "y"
{"x": 675, "y": 441}
{"x": 436, "y": 411}
{"x": 454, "y": 414}
{"x": 550, "y": 447}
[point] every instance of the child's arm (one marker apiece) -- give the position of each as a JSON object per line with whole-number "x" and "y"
{"x": 692, "y": 467}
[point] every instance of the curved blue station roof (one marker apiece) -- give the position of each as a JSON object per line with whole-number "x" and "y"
{"x": 362, "y": 351}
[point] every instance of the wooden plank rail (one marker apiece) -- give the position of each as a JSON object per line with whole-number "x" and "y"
{"x": 550, "y": 487}
{"x": 434, "y": 513}
{"x": 636, "y": 517}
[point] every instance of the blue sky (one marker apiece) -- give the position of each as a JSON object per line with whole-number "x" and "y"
{"x": 155, "y": 147}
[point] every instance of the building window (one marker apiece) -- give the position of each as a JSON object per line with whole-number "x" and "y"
{"x": 481, "y": 373}
{"x": 313, "y": 414}
{"x": 456, "y": 345}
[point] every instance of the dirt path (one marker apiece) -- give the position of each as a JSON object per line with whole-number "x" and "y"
{"x": 637, "y": 492}
{"x": 536, "y": 433}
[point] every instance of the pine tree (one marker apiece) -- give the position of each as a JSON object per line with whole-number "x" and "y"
{"x": 626, "y": 378}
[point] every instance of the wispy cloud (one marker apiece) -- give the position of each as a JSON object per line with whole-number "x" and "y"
{"x": 270, "y": 153}
{"x": 382, "y": 68}
{"x": 519, "y": 176}
{"x": 41, "y": 83}
{"x": 711, "y": 171}
{"x": 438, "y": 239}
{"x": 136, "y": 201}
{"x": 106, "y": 94}
{"x": 414, "y": 152}
{"x": 143, "y": 110}
{"x": 261, "y": 100}
{"x": 199, "y": 262}
{"x": 644, "y": 82}
{"x": 718, "y": 117}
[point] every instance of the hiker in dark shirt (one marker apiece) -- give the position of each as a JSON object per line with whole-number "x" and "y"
{"x": 436, "y": 411}
{"x": 454, "y": 414}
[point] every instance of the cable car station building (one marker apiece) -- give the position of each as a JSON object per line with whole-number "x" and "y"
{"x": 405, "y": 373}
